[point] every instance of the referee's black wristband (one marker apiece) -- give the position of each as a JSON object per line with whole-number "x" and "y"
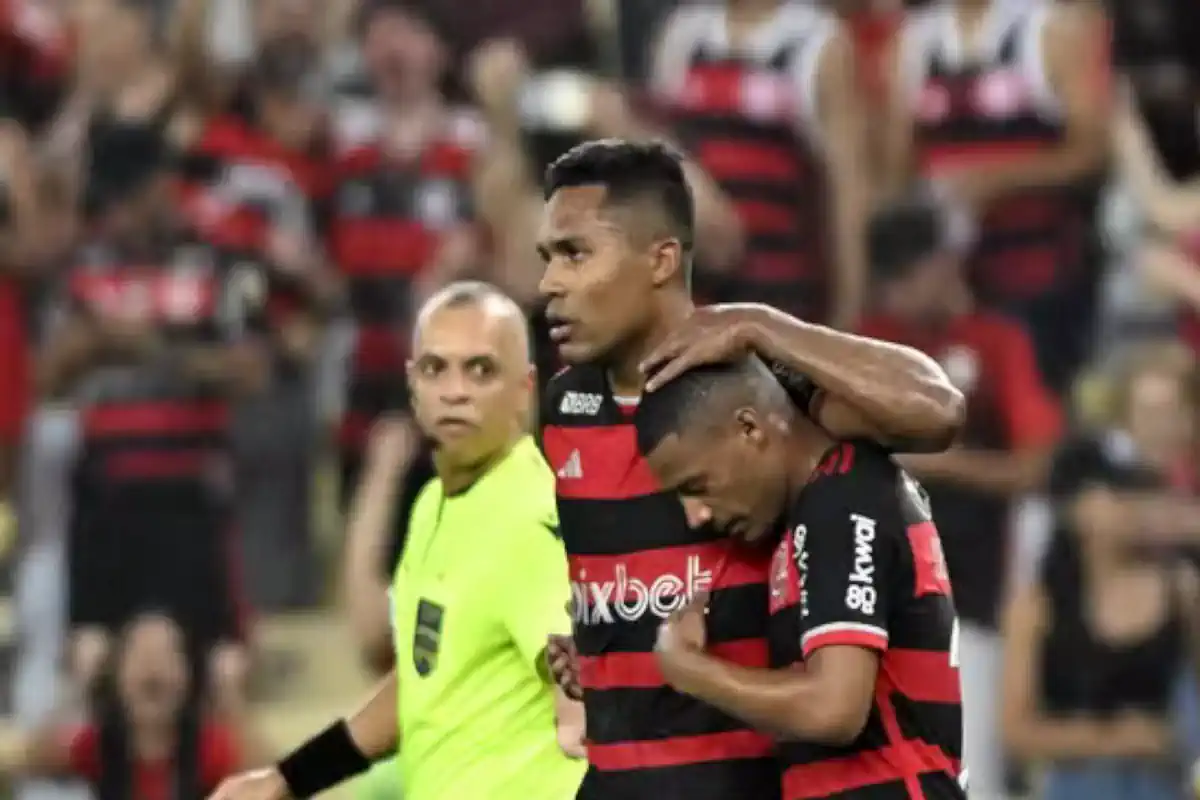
{"x": 322, "y": 762}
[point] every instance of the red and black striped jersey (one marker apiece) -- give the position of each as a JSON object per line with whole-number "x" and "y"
{"x": 633, "y": 560}
{"x": 388, "y": 217}
{"x": 861, "y": 565}
{"x": 986, "y": 109}
{"x": 237, "y": 183}
{"x": 148, "y": 421}
{"x": 748, "y": 116}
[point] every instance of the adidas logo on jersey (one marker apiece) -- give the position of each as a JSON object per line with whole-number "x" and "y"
{"x": 573, "y": 469}
{"x": 580, "y": 403}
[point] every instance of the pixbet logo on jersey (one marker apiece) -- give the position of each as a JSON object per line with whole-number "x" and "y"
{"x": 627, "y": 598}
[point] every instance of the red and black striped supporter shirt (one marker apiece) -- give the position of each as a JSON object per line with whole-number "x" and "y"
{"x": 390, "y": 213}
{"x": 147, "y": 421}
{"x": 861, "y": 564}
{"x": 748, "y": 115}
{"x": 985, "y": 110}
{"x": 238, "y": 185}
{"x": 633, "y": 560}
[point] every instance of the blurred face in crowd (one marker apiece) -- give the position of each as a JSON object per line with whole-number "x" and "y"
{"x": 470, "y": 376}
{"x": 115, "y": 40}
{"x": 281, "y": 19}
{"x": 930, "y": 291}
{"x": 599, "y": 280}
{"x": 404, "y": 56}
{"x": 289, "y": 97}
{"x": 1157, "y": 413}
{"x": 152, "y": 670}
{"x": 731, "y": 473}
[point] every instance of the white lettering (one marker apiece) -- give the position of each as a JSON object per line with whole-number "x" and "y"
{"x": 628, "y": 599}
{"x": 861, "y": 593}
{"x": 580, "y": 404}
{"x": 799, "y": 539}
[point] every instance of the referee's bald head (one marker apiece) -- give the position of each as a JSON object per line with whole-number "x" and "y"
{"x": 470, "y": 375}
{"x": 510, "y": 321}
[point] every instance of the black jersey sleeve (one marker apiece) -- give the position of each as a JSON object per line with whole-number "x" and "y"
{"x": 847, "y": 556}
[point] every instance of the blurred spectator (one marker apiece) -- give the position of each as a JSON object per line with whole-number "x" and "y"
{"x": 1093, "y": 647}
{"x": 159, "y": 333}
{"x": 763, "y": 95}
{"x": 553, "y": 32}
{"x": 1013, "y": 422}
{"x": 148, "y": 737}
{"x": 402, "y": 221}
{"x": 1003, "y": 105}
{"x": 1157, "y": 169}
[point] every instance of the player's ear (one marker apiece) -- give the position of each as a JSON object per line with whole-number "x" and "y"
{"x": 667, "y": 257}
{"x": 750, "y": 426}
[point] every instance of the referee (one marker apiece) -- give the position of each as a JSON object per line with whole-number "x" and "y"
{"x": 469, "y": 705}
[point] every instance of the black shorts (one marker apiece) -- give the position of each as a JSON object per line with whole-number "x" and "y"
{"x": 419, "y": 473}
{"x": 167, "y": 548}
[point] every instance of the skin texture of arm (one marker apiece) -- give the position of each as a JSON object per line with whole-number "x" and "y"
{"x": 828, "y": 701}
{"x": 894, "y": 394}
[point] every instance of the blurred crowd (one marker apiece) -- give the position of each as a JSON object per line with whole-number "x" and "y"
{"x": 217, "y": 218}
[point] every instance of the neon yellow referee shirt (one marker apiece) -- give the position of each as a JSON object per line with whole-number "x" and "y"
{"x": 482, "y": 582}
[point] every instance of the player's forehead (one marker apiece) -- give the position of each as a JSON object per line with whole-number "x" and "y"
{"x": 573, "y": 212}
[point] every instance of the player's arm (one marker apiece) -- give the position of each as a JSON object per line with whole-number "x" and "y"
{"x": 861, "y": 387}
{"x": 842, "y": 136}
{"x": 845, "y": 560}
{"x": 1032, "y": 419}
{"x": 1075, "y": 47}
{"x": 532, "y": 604}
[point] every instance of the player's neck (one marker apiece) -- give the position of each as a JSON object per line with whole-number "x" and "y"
{"x": 624, "y": 374}
{"x": 808, "y": 446}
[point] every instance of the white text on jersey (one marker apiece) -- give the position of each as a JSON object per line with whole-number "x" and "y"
{"x": 580, "y": 404}
{"x": 629, "y": 599}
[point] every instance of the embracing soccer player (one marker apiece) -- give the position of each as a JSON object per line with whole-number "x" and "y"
{"x": 859, "y": 594}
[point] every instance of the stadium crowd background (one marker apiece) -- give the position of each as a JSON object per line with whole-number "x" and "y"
{"x": 260, "y": 108}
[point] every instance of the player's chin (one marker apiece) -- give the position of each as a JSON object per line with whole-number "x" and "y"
{"x": 576, "y": 352}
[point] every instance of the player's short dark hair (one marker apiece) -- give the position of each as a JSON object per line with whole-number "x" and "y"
{"x": 698, "y": 395}
{"x": 630, "y": 170}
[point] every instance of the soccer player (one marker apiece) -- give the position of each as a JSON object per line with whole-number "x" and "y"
{"x": 616, "y": 238}
{"x": 480, "y": 586}
{"x": 859, "y": 592}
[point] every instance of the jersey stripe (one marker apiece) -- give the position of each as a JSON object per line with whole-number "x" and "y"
{"x": 634, "y": 560}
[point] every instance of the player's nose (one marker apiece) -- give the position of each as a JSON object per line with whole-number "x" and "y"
{"x": 697, "y": 512}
